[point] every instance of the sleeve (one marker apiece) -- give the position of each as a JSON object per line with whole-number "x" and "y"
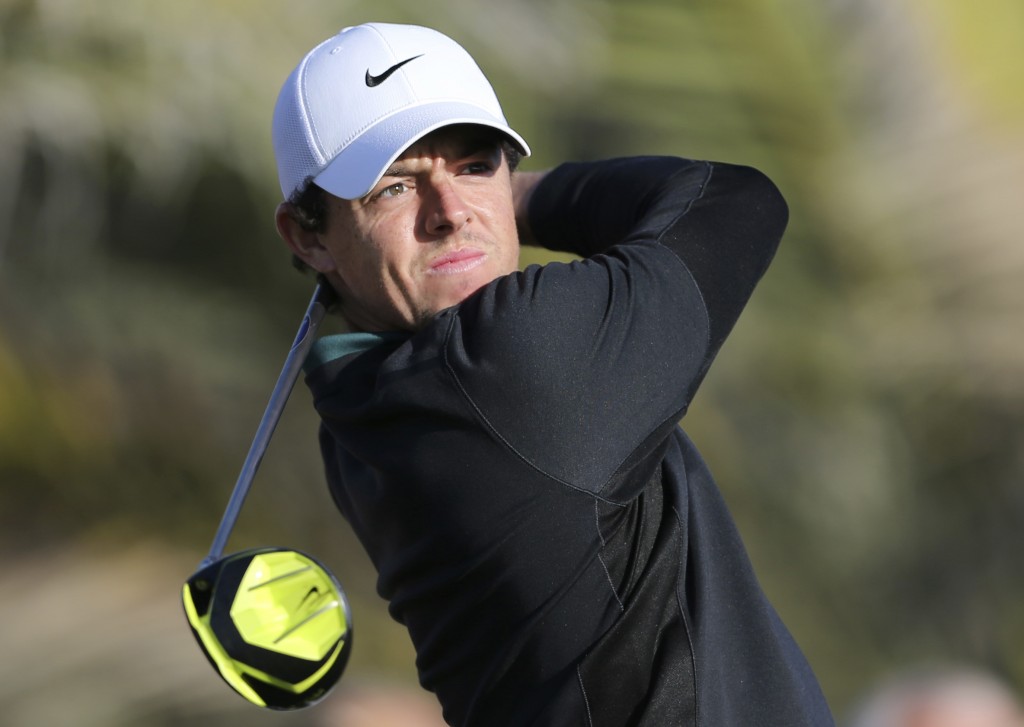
{"x": 584, "y": 369}
{"x": 723, "y": 221}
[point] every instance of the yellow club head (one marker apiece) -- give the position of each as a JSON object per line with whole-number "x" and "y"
{"x": 274, "y": 623}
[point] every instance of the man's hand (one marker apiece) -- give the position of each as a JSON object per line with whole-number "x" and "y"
{"x": 523, "y": 184}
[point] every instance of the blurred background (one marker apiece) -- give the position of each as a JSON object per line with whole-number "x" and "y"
{"x": 865, "y": 421}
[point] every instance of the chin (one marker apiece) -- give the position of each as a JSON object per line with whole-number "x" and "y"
{"x": 460, "y": 289}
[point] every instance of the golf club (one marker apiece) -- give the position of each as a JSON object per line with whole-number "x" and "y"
{"x": 273, "y": 622}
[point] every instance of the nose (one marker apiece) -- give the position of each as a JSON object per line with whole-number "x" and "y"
{"x": 447, "y": 211}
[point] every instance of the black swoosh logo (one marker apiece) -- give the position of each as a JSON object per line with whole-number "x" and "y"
{"x": 372, "y": 81}
{"x": 313, "y": 591}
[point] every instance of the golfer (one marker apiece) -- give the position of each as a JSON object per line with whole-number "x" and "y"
{"x": 505, "y": 443}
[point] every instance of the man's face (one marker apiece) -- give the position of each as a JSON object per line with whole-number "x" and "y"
{"x": 437, "y": 227}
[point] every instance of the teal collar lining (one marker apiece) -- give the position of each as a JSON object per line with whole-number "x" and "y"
{"x": 330, "y": 348}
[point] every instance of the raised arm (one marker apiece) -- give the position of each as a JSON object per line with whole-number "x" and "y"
{"x": 724, "y": 222}
{"x": 603, "y": 356}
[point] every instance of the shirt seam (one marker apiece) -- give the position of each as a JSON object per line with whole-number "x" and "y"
{"x": 600, "y": 557}
{"x": 689, "y": 273}
{"x": 693, "y": 281}
{"x": 583, "y": 693}
{"x": 450, "y": 369}
{"x": 684, "y": 614}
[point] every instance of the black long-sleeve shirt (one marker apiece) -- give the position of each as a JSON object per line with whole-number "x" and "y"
{"x": 553, "y": 541}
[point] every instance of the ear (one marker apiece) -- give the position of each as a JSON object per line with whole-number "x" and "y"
{"x": 304, "y": 243}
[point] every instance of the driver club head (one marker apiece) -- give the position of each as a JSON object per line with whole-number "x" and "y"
{"x": 273, "y": 622}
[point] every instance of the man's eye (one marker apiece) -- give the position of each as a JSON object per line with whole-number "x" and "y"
{"x": 478, "y": 168}
{"x": 392, "y": 190}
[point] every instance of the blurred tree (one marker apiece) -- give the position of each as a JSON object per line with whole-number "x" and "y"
{"x": 865, "y": 419}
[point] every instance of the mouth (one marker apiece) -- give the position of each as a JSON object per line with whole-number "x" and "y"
{"x": 457, "y": 261}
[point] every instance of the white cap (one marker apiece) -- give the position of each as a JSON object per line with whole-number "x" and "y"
{"x": 361, "y": 98}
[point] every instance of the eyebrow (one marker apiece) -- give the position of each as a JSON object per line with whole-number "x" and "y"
{"x": 467, "y": 148}
{"x": 397, "y": 170}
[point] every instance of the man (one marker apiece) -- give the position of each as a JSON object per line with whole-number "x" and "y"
{"x": 505, "y": 443}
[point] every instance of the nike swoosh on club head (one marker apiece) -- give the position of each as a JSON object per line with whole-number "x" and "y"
{"x": 313, "y": 591}
{"x": 372, "y": 81}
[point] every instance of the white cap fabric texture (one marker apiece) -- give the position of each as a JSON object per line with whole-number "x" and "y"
{"x": 361, "y": 98}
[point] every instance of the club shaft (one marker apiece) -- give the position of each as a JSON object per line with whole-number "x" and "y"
{"x": 271, "y": 416}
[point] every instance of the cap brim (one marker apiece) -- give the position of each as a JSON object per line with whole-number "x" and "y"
{"x": 354, "y": 172}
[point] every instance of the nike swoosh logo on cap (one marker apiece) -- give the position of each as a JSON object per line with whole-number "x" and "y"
{"x": 372, "y": 80}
